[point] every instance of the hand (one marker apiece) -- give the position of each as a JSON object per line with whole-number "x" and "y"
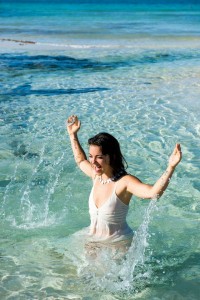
{"x": 73, "y": 124}
{"x": 176, "y": 156}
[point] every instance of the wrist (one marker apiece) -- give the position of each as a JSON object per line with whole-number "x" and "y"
{"x": 171, "y": 168}
{"x": 73, "y": 135}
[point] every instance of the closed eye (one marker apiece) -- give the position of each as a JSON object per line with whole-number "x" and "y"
{"x": 98, "y": 156}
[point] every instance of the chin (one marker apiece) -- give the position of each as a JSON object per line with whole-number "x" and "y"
{"x": 98, "y": 172}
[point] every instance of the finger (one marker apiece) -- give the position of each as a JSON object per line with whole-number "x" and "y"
{"x": 178, "y": 147}
{"x": 68, "y": 120}
{"x": 175, "y": 150}
{"x": 178, "y": 151}
{"x": 71, "y": 120}
{"x": 74, "y": 117}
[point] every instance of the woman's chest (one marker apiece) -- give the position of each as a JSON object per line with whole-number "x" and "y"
{"x": 102, "y": 194}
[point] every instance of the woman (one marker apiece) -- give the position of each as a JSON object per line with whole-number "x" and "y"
{"x": 113, "y": 187}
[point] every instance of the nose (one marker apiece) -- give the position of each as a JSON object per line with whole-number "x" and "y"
{"x": 92, "y": 160}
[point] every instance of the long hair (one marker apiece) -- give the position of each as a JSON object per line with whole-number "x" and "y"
{"x": 110, "y": 146}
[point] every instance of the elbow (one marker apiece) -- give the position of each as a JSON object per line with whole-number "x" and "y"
{"x": 154, "y": 195}
{"x": 151, "y": 197}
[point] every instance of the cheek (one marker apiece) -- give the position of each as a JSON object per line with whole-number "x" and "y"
{"x": 100, "y": 162}
{"x": 107, "y": 160}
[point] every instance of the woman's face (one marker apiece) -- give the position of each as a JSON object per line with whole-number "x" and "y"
{"x": 99, "y": 161}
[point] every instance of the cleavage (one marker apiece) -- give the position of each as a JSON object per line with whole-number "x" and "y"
{"x": 98, "y": 191}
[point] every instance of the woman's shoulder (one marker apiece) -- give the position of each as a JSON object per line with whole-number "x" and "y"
{"x": 129, "y": 178}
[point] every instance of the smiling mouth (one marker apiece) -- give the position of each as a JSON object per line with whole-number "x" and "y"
{"x": 97, "y": 169}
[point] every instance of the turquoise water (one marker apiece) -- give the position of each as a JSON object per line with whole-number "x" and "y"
{"x": 131, "y": 70}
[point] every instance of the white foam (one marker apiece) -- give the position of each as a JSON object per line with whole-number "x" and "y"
{"x": 13, "y": 44}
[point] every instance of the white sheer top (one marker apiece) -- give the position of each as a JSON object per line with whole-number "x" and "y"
{"x": 108, "y": 222}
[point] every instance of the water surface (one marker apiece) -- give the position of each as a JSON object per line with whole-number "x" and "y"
{"x": 130, "y": 70}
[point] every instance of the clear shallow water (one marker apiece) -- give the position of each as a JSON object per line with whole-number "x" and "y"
{"x": 142, "y": 89}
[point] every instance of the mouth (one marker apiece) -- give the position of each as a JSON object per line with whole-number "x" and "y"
{"x": 97, "y": 169}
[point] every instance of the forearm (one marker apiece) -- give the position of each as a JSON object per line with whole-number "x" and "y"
{"x": 79, "y": 154}
{"x": 161, "y": 184}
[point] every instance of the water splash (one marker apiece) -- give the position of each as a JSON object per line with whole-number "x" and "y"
{"x": 120, "y": 274}
{"x": 136, "y": 253}
{"x": 7, "y": 191}
{"x": 26, "y": 205}
{"x": 54, "y": 178}
{"x": 33, "y": 197}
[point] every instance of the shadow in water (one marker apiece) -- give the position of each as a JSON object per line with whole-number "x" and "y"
{"x": 25, "y": 90}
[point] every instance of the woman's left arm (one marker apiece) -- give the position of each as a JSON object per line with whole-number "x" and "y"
{"x": 155, "y": 191}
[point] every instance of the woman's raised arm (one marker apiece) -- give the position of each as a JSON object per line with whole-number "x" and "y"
{"x": 155, "y": 191}
{"x": 73, "y": 125}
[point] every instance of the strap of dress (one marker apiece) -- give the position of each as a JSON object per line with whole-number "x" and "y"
{"x": 115, "y": 187}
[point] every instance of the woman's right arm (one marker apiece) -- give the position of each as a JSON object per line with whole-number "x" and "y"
{"x": 73, "y": 126}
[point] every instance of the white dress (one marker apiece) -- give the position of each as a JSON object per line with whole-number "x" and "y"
{"x": 108, "y": 222}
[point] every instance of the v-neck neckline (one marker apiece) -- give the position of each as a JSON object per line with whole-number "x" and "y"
{"x": 107, "y": 200}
